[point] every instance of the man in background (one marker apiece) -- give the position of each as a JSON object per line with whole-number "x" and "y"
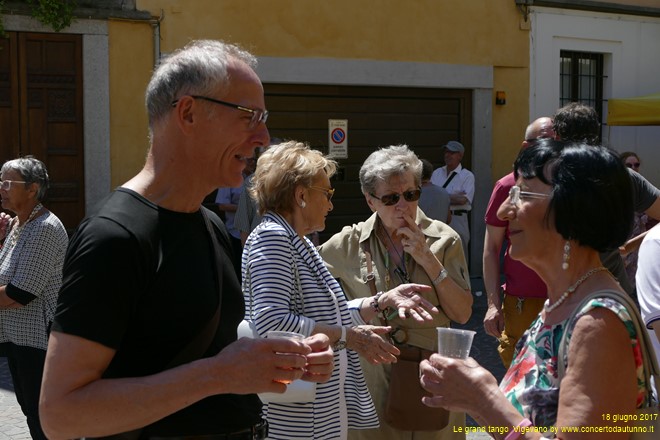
{"x": 459, "y": 183}
{"x": 512, "y": 308}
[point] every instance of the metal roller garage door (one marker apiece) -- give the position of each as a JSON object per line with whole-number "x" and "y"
{"x": 424, "y": 119}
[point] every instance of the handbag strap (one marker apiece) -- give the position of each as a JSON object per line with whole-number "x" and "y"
{"x": 198, "y": 346}
{"x": 371, "y": 278}
{"x": 648, "y": 354}
{"x": 247, "y": 281}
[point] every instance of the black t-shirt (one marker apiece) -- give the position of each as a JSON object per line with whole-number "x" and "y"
{"x": 142, "y": 280}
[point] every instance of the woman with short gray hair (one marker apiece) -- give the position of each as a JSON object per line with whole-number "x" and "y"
{"x": 31, "y": 259}
{"x": 397, "y": 245}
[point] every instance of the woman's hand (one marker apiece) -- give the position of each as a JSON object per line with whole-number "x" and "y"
{"x": 447, "y": 379}
{"x": 320, "y": 361}
{"x": 4, "y": 223}
{"x": 367, "y": 341}
{"x": 414, "y": 241}
{"x": 406, "y": 299}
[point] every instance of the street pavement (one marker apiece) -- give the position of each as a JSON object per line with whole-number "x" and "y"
{"x": 484, "y": 350}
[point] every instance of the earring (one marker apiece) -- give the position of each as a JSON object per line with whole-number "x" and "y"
{"x": 567, "y": 255}
{"x": 302, "y": 204}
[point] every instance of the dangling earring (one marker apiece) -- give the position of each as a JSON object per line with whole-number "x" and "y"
{"x": 566, "y": 256}
{"x": 302, "y": 204}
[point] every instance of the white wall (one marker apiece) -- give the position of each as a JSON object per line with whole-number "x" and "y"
{"x": 631, "y": 46}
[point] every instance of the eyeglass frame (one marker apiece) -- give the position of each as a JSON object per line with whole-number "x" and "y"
{"x": 515, "y": 195}
{"x": 329, "y": 192}
{"x": 9, "y": 183}
{"x": 393, "y": 199}
{"x": 635, "y": 165}
{"x": 258, "y": 116}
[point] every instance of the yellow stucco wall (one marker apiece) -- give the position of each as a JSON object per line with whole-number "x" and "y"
{"x": 476, "y": 32}
{"x": 131, "y": 63}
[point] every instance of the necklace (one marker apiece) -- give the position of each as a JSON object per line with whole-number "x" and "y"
{"x": 550, "y": 307}
{"x": 15, "y": 232}
{"x": 402, "y": 272}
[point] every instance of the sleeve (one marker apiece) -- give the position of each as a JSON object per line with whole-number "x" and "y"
{"x": 497, "y": 197}
{"x": 42, "y": 255}
{"x": 223, "y": 196}
{"x": 103, "y": 277}
{"x": 644, "y": 193}
{"x": 468, "y": 185}
{"x": 269, "y": 286}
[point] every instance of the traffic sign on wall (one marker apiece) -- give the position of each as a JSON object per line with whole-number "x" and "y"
{"x": 338, "y": 138}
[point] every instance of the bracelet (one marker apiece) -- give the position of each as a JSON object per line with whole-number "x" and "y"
{"x": 518, "y": 429}
{"x": 443, "y": 274}
{"x": 374, "y": 302}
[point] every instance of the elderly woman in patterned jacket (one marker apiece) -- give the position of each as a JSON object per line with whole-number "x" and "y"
{"x": 287, "y": 287}
{"x": 31, "y": 259}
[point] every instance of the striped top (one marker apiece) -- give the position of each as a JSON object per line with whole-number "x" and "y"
{"x": 271, "y": 255}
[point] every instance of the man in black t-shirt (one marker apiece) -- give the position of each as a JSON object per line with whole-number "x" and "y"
{"x": 141, "y": 278}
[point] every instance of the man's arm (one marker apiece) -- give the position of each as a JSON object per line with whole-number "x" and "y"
{"x": 76, "y": 401}
{"x": 493, "y": 240}
{"x": 654, "y": 210}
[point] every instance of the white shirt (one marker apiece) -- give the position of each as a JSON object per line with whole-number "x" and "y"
{"x": 463, "y": 182}
{"x": 648, "y": 283}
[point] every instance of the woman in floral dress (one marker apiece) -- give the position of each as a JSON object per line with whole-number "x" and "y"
{"x": 570, "y": 202}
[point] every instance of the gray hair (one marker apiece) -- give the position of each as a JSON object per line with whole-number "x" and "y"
{"x": 32, "y": 170}
{"x": 383, "y": 164}
{"x": 196, "y": 69}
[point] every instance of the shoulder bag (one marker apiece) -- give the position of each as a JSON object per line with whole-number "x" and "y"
{"x": 646, "y": 421}
{"x": 299, "y": 391}
{"x": 404, "y": 409}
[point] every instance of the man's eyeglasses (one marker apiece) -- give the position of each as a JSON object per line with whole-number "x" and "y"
{"x": 393, "y": 199}
{"x": 515, "y": 194}
{"x": 329, "y": 192}
{"x": 635, "y": 165}
{"x": 258, "y": 116}
{"x": 5, "y": 185}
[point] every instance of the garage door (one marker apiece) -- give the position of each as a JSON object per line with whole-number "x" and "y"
{"x": 424, "y": 119}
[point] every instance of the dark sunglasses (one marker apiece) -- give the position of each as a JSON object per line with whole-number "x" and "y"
{"x": 633, "y": 165}
{"x": 393, "y": 199}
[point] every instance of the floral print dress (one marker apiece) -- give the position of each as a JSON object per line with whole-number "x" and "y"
{"x": 532, "y": 384}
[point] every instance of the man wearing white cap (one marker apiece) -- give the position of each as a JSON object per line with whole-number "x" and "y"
{"x": 459, "y": 183}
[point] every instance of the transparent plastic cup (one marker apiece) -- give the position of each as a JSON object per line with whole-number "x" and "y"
{"x": 274, "y": 334}
{"x": 454, "y": 343}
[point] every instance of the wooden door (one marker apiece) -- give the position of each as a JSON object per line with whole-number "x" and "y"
{"x": 41, "y": 113}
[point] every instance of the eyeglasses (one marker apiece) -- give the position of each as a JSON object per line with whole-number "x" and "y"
{"x": 515, "y": 194}
{"x": 635, "y": 165}
{"x": 329, "y": 192}
{"x": 393, "y": 199}
{"x": 258, "y": 116}
{"x": 5, "y": 185}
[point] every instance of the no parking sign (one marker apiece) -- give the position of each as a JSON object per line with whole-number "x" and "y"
{"x": 338, "y": 138}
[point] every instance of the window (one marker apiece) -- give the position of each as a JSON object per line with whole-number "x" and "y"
{"x": 581, "y": 79}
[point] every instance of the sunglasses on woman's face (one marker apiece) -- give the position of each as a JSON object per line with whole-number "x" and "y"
{"x": 393, "y": 199}
{"x": 634, "y": 165}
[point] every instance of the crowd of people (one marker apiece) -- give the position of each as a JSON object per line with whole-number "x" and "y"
{"x": 129, "y": 329}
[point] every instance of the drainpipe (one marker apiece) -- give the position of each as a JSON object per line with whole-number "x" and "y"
{"x": 155, "y": 24}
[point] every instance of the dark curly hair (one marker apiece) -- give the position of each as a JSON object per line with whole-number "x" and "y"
{"x": 577, "y": 122}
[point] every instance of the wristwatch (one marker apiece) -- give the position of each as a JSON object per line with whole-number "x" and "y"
{"x": 341, "y": 343}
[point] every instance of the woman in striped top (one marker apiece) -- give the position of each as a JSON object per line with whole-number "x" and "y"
{"x": 287, "y": 287}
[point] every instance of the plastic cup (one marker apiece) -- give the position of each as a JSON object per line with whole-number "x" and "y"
{"x": 454, "y": 343}
{"x": 274, "y": 334}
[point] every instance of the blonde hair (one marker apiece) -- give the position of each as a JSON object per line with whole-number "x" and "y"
{"x": 280, "y": 169}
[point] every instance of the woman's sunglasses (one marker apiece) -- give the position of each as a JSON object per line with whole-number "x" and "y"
{"x": 633, "y": 165}
{"x": 393, "y": 199}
